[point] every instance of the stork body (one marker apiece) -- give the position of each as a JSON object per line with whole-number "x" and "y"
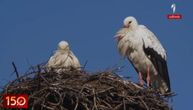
{"x": 63, "y": 58}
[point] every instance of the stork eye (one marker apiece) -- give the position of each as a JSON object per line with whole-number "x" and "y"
{"x": 130, "y": 22}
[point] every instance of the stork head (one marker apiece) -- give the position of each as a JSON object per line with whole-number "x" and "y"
{"x": 63, "y": 45}
{"x": 130, "y": 22}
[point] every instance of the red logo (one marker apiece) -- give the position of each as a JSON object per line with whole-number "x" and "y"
{"x": 174, "y": 16}
{"x": 15, "y": 101}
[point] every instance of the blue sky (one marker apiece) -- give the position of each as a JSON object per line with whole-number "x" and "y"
{"x": 30, "y": 31}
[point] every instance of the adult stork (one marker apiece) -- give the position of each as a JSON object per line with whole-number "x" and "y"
{"x": 146, "y": 54}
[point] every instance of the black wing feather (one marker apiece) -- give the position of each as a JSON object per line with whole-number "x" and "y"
{"x": 159, "y": 63}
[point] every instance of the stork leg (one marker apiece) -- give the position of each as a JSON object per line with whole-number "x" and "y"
{"x": 141, "y": 82}
{"x": 148, "y": 76}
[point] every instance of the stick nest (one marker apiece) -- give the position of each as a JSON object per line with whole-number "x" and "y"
{"x": 80, "y": 90}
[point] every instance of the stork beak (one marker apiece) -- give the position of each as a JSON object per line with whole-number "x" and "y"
{"x": 126, "y": 26}
{"x": 115, "y": 37}
{"x": 118, "y": 37}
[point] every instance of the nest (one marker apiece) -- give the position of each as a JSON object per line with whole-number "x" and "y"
{"x": 80, "y": 90}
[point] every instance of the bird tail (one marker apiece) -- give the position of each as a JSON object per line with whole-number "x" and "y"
{"x": 160, "y": 85}
{"x": 164, "y": 76}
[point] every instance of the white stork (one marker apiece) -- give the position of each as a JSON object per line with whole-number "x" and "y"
{"x": 145, "y": 52}
{"x": 63, "y": 58}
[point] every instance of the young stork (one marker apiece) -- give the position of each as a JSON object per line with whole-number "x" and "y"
{"x": 63, "y": 58}
{"x": 146, "y": 54}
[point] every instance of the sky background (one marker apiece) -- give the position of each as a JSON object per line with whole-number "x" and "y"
{"x": 31, "y": 30}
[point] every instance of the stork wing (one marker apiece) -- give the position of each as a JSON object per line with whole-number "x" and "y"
{"x": 75, "y": 61}
{"x": 151, "y": 41}
{"x": 156, "y": 53}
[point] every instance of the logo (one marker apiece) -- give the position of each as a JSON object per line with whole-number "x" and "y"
{"x": 174, "y": 15}
{"x": 15, "y": 101}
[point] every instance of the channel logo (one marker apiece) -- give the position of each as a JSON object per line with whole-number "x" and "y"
{"x": 15, "y": 101}
{"x": 174, "y": 15}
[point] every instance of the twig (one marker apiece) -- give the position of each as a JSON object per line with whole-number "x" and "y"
{"x": 94, "y": 100}
{"x": 84, "y": 66}
{"x": 15, "y": 69}
{"x": 76, "y": 104}
{"x": 147, "y": 108}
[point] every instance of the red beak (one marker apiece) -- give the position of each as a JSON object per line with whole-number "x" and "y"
{"x": 125, "y": 26}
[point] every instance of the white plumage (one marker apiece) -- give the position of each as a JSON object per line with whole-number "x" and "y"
{"x": 146, "y": 54}
{"x": 63, "y": 58}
